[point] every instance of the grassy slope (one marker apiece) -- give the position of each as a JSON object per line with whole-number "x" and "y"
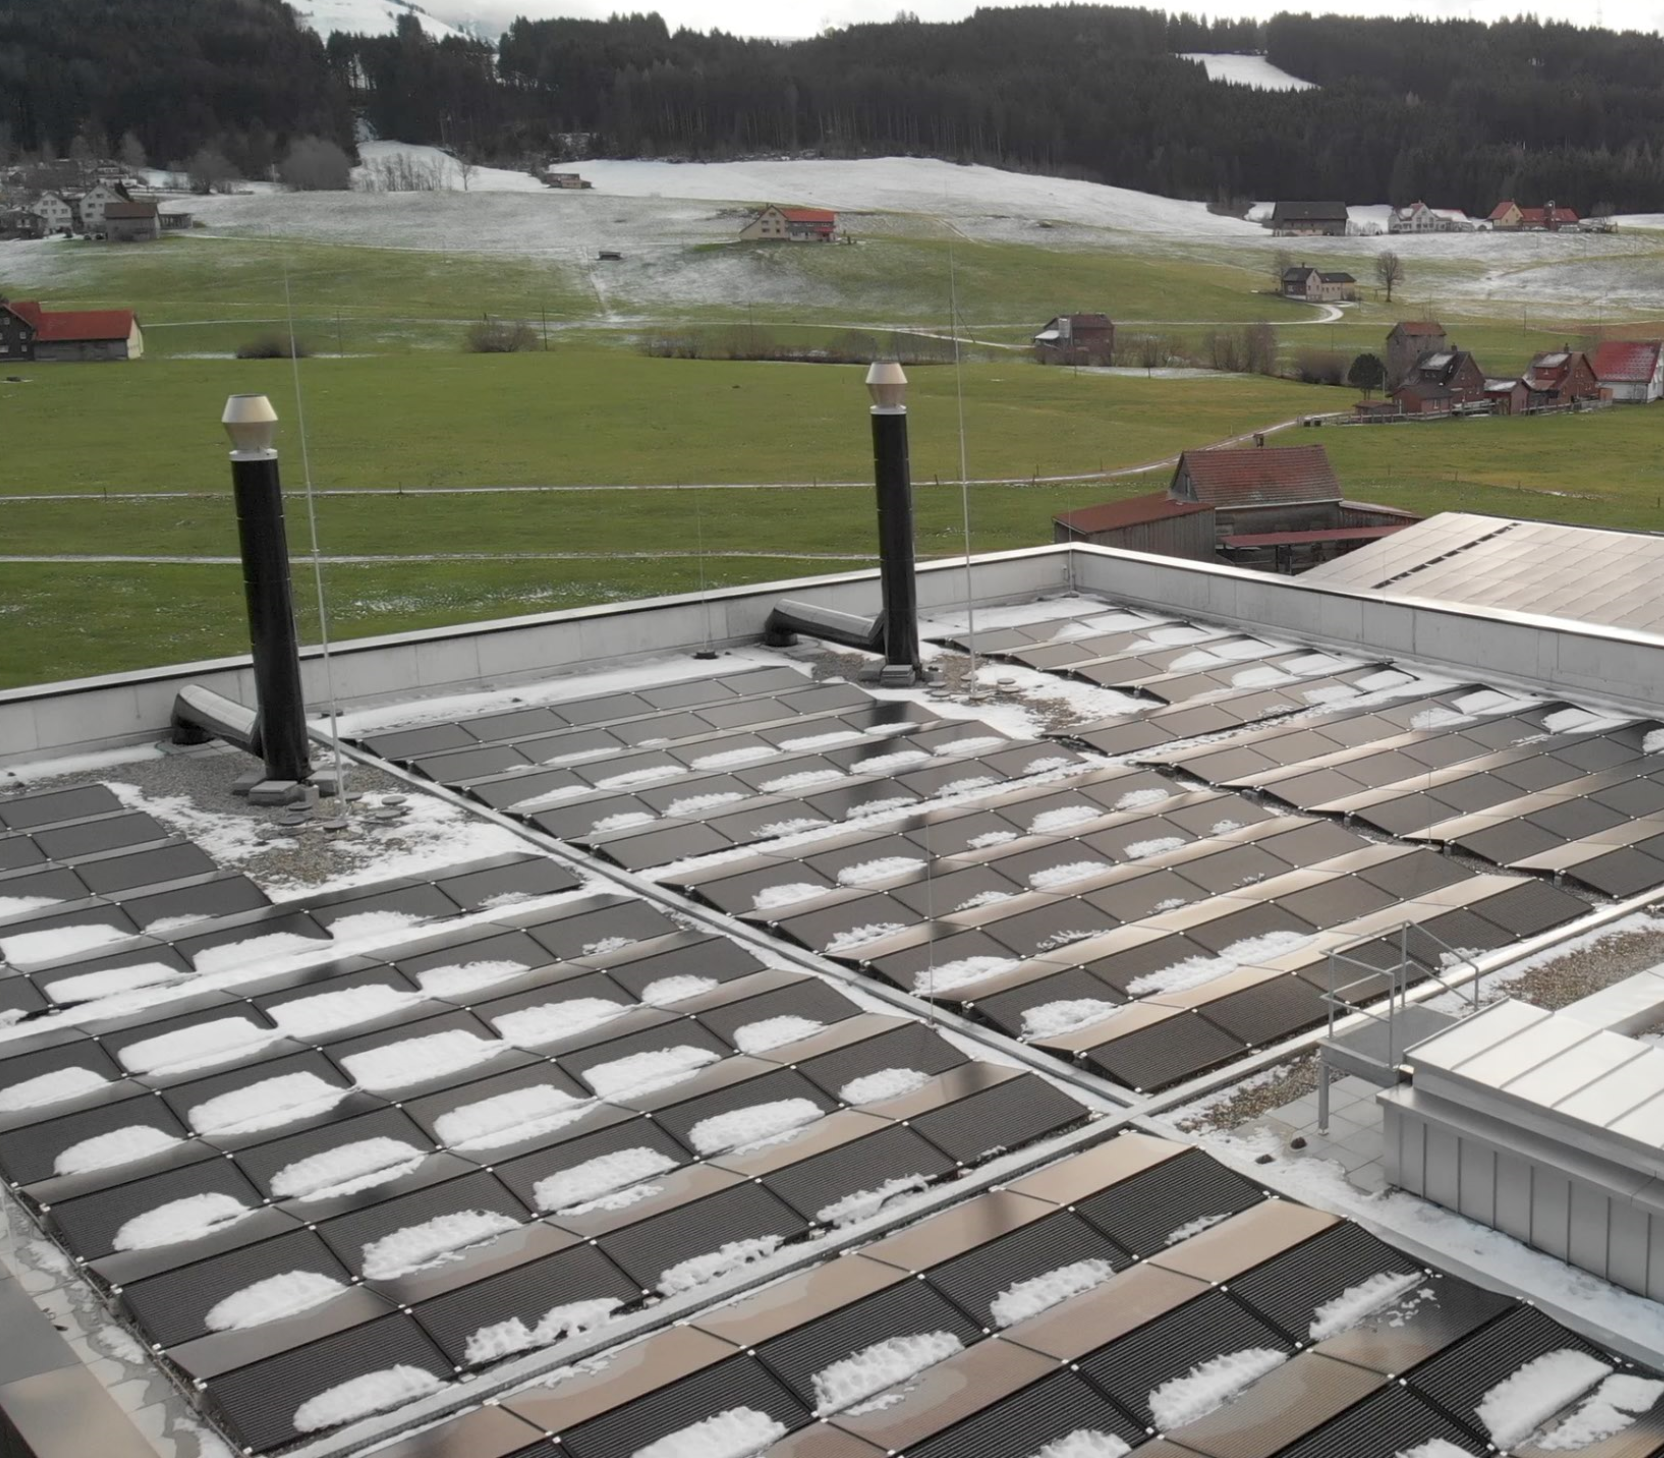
{"x": 587, "y": 415}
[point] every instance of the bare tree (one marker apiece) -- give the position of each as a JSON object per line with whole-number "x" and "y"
{"x": 1152, "y": 352}
{"x": 467, "y": 171}
{"x": 131, "y": 152}
{"x": 315, "y": 164}
{"x": 1389, "y": 270}
{"x": 1281, "y": 261}
{"x": 210, "y": 170}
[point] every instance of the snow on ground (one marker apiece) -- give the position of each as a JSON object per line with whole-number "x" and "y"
{"x": 1253, "y": 71}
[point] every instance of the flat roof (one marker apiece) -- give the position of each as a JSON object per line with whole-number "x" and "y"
{"x": 668, "y": 978}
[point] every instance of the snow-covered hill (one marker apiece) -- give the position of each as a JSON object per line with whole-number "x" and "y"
{"x": 1253, "y": 71}
{"x": 365, "y": 17}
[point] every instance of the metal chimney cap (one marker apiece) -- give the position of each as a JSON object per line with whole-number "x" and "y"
{"x": 887, "y": 384}
{"x": 251, "y": 423}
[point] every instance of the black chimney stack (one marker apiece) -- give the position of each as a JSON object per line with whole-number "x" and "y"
{"x": 280, "y": 721}
{"x": 887, "y": 385}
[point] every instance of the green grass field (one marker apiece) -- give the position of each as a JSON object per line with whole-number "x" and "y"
{"x": 406, "y": 410}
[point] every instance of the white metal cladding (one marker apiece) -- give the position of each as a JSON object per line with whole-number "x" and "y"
{"x": 1543, "y": 1127}
{"x": 1581, "y": 573}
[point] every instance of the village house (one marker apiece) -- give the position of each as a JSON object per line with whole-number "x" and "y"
{"x": 566, "y": 181}
{"x": 1076, "y": 339}
{"x": 30, "y": 332}
{"x": 96, "y": 202}
{"x": 131, "y": 222}
{"x": 1417, "y": 217}
{"x": 1457, "y": 371}
{"x": 1561, "y": 377}
{"x": 1630, "y": 370}
{"x": 792, "y": 225}
{"x": 59, "y": 212}
{"x": 1275, "y": 508}
{"x": 1408, "y": 343}
{"x": 20, "y": 223}
{"x": 1316, "y": 286}
{"x": 1510, "y": 217}
{"x": 1309, "y": 219}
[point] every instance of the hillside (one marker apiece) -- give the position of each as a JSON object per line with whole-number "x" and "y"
{"x": 367, "y": 17}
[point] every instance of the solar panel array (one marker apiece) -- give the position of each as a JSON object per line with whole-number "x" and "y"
{"x": 1148, "y": 909}
{"x": 1169, "y": 1261}
{"x": 420, "y": 1154}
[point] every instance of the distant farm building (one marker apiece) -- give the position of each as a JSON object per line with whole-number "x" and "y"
{"x": 565, "y": 181}
{"x": 132, "y": 222}
{"x": 20, "y": 223}
{"x": 1417, "y": 217}
{"x": 1507, "y": 397}
{"x": 1510, "y": 217}
{"x": 1457, "y": 371}
{"x": 1316, "y": 286}
{"x": 97, "y": 201}
{"x": 1276, "y": 509}
{"x": 1630, "y": 370}
{"x": 58, "y": 212}
{"x": 30, "y": 332}
{"x": 1561, "y": 377}
{"x": 1309, "y": 219}
{"x": 1076, "y": 339}
{"x": 1423, "y": 397}
{"x": 791, "y": 225}
{"x": 1408, "y": 343}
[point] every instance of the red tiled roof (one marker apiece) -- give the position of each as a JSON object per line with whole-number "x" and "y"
{"x": 1500, "y": 211}
{"x": 1134, "y": 511}
{"x": 1260, "y": 474}
{"x": 1327, "y": 534}
{"x": 73, "y": 326}
{"x": 809, "y": 215}
{"x": 1629, "y": 361}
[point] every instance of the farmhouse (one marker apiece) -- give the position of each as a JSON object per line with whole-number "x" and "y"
{"x": 30, "y": 332}
{"x": 1457, "y": 371}
{"x": 97, "y": 201}
{"x": 20, "y": 223}
{"x": 132, "y": 222}
{"x": 791, "y": 225}
{"x": 1317, "y": 286}
{"x": 1417, "y": 217}
{"x": 59, "y": 212}
{"x": 1510, "y": 217}
{"x": 1309, "y": 219}
{"x": 1076, "y": 339}
{"x": 1277, "y": 509}
{"x": 1629, "y": 370}
{"x": 1561, "y": 377}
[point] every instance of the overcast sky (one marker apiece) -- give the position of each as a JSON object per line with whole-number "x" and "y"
{"x": 777, "y": 18}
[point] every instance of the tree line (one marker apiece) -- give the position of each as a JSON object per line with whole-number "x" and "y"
{"x": 1456, "y": 112}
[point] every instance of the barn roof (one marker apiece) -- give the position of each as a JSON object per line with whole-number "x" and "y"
{"x": 1134, "y": 511}
{"x": 73, "y": 326}
{"x": 1309, "y": 212}
{"x": 1259, "y": 475}
{"x": 1628, "y": 361}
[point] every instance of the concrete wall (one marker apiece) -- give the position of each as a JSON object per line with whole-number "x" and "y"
{"x": 1602, "y": 664}
{"x": 85, "y": 715}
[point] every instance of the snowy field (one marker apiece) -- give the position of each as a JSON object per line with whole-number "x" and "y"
{"x": 664, "y": 216}
{"x": 365, "y": 17}
{"x": 1253, "y": 71}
